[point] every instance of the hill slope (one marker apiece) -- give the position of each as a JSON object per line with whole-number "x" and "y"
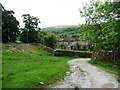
{"x": 68, "y": 30}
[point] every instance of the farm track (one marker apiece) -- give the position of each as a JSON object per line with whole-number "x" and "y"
{"x": 84, "y": 75}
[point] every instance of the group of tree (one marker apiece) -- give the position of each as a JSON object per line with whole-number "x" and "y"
{"x": 102, "y": 25}
{"x": 31, "y": 33}
{"x": 49, "y": 40}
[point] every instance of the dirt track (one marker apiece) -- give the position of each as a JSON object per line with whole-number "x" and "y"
{"x": 84, "y": 75}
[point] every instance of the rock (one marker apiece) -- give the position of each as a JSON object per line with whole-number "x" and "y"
{"x": 67, "y": 73}
{"x": 41, "y": 83}
{"x": 74, "y": 66}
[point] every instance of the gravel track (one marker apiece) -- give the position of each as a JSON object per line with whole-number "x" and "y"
{"x": 84, "y": 75}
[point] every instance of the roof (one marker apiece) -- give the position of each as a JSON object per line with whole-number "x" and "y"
{"x": 68, "y": 39}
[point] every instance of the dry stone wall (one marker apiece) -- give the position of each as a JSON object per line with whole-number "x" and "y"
{"x": 72, "y": 53}
{"x": 113, "y": 57}
{"x": 83, "y": 54}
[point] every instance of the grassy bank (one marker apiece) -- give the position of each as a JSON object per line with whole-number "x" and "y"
{"x": 28, "y": 66}
{"x": 108, "y": 67}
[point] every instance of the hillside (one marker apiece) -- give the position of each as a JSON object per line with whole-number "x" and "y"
{"x": 67, "y": 30}
{"x": 29, "y": 66}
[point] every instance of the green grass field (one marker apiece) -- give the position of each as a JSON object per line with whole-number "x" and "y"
{"x": 108, "y": 67}
{"x": 29, "y": 66}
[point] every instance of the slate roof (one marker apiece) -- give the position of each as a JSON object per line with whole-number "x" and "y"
{"x": 68, "y": 39}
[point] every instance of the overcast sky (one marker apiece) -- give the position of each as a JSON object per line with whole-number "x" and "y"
{"x": 50, "y": 12}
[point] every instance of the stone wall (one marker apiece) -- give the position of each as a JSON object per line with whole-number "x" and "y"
{"x": 82, "y": 54}
{"x": 72, "y": 53}
{"x": 46, "y": 48}
{"x": 113, "y": 57}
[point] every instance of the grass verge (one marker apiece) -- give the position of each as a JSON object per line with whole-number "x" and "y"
{"x": 29, "y": 66}
{"x": 108, "y": 67}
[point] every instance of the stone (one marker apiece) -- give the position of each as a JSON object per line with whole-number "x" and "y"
{"x": 41, "y": 83}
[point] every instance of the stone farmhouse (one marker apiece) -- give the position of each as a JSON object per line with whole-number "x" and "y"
{"x": 74, "y": 44}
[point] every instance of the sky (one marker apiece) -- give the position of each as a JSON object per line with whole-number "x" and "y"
{"x": 49, "y": 12}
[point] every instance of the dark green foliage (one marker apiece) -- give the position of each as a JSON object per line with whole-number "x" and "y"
{"x": 29, "y": 36}
{"x": 62, "y": 46}
{"x": 102, "y": 25}
{"x": 24, "y": 36}
{"x": 50, "y": 40}
{"x": 10, "y": 26}
{"x": 42, "y": 36}
{"x": 30, "y": 31}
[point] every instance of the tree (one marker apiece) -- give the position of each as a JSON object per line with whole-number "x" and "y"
{"x": 10, "y": 26}
{"x": 24, "y": 35}
{"x": 62, "y": 46}
{"x": 101, "y": 26}
{"x": 47, "y": 39}
{"x": 50, "y": 40}
{"x": 42, "y": 36}
{"x": 30, "y": 32}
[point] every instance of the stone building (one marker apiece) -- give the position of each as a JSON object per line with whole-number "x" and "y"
{"x": 74, "y": 44}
